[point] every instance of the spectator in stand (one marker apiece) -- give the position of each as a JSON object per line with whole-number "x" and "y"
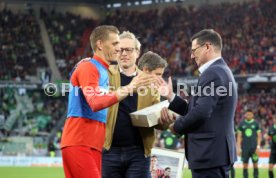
{"x": 21, "y": 46}
{"x": 170, "y": 34}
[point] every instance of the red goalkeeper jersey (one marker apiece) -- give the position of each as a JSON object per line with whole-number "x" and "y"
{"x": 83, "y": 131}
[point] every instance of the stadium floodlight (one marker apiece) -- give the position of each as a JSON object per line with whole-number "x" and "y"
{"x": 257, "y": 78}
{"x": 146, "y": 2}
{"x": 117, "y": 5}
{"x": 273, "y": 79}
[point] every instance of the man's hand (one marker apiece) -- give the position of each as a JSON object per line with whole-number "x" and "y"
{"x": 172, "y": 129}
{"x": 166, "y": 117}
{"x": 142, "y": 80}
{"x": 165, "y": 89}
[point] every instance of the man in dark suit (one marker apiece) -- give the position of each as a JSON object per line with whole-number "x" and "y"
{"x": 208, "y": 118}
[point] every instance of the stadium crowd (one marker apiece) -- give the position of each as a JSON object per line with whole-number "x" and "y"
{"x": 166, "y": 32}
{"x": 21, "y": 48}
{"x": 250, "y": 49}
{"x": 38, "y": 114}
{"x": 66, "y": 36}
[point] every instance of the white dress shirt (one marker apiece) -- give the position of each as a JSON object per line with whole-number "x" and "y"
{"x": 131, "y": 75}
{"x": 201, "y": 69}
{"x": 205, "y": 66}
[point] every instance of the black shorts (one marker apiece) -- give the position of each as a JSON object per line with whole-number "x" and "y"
{"x": 249, "y": 153}
{"x": 272, "y": 158}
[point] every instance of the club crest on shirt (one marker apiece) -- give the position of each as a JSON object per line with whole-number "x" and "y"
{"x": 102, "y": 91}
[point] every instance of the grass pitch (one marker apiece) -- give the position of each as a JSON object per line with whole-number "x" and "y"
{"x": 57, "y": 172}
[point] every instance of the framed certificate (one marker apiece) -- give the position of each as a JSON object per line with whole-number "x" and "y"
{"x": 166, "y": 163}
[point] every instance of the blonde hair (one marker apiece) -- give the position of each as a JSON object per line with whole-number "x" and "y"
{"x": 129, "y": 35}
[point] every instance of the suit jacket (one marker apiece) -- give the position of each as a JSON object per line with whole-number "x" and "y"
{"x": 208, "y": 119}
{"x": 144, "y": 100}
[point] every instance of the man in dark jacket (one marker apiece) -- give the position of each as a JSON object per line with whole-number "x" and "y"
{"x": 208, "y": 118}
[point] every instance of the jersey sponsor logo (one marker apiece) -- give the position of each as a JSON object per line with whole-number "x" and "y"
{"x": 169, "y": 141}
{"x": 248, "y": 132}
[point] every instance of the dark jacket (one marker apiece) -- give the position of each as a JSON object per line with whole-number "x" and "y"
{"x": 208, "y": 120}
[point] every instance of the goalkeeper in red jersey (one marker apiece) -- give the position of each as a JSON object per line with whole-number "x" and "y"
{"x": 84, "y": 130}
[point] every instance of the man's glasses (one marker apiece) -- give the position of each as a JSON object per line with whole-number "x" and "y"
{"x": 194, "y": 50}
{"x": 127, "y": 50}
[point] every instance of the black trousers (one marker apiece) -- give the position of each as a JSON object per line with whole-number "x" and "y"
{"x": 216, "y": 172}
